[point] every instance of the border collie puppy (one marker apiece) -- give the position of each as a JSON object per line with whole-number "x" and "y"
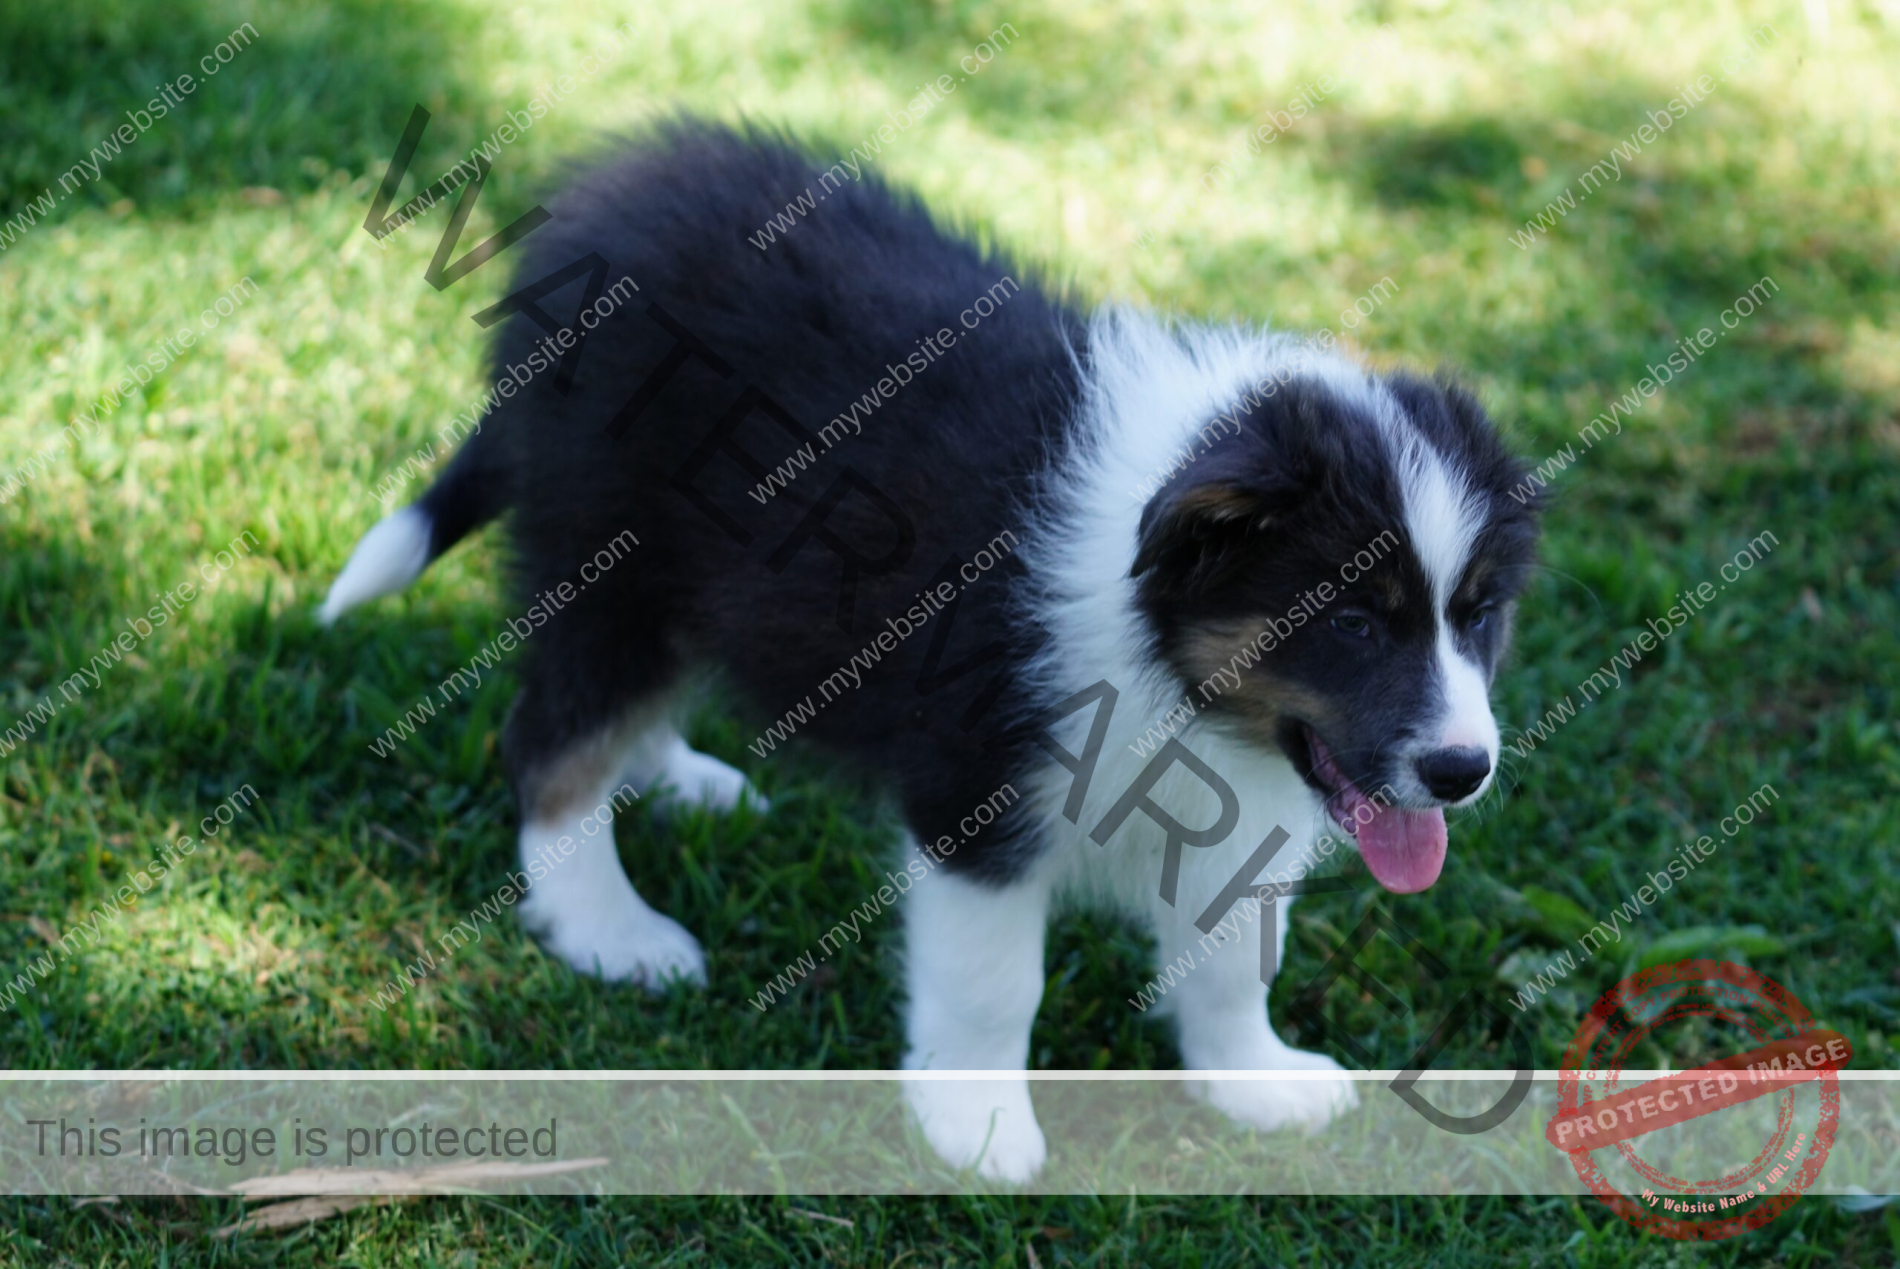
{"x": 1245, "y": 585}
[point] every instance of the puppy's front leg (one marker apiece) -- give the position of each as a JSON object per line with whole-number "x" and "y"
{"x": 1220, "y": 1006}
{"x": 974, "y": 972}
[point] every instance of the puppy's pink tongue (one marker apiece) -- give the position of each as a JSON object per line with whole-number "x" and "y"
{"x": 1404, "y": 849}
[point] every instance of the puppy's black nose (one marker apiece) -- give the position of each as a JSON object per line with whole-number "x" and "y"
{"x": 1453, "y": 774}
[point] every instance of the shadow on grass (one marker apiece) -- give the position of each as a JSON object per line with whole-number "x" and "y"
{"x": 1079, "y": 73}
{"x": 1651, "y": 257}
{"x": 318, "y": 87}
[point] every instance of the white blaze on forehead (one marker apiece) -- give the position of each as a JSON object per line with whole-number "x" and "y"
{"x": 1444, "y": 517}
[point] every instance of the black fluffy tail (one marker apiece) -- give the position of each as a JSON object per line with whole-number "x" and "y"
{"x": 467, "y": 495}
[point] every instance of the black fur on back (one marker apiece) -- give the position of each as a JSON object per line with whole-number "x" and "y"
{"x": 812, "y": 322}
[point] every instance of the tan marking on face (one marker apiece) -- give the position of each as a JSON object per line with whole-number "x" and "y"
{"x": 1391, "y": 590}
{"x": 1473, "y": 582}
{"x": 1261, "y": 701}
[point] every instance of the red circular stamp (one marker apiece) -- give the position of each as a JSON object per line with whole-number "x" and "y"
{"x": 1781, "y": 1052}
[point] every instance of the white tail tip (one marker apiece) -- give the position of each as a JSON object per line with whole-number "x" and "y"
{"x": 389, "y": 557}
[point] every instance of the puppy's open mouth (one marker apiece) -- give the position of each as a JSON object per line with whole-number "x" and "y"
{"x": 1405, "y": 850}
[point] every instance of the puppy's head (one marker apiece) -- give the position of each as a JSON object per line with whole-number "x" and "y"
{"x": 1334, "y": 577}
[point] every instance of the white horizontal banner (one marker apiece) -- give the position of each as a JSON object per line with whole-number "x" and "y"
{"x": 803, "y": 1132}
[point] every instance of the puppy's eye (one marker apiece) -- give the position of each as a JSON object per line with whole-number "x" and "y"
{"x": 1479, "y": 618}
{"x": 1352, "y": 623}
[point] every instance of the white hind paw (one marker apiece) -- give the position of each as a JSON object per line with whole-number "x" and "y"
{"x": 609, "y": 931}
{"x": 699, "y": 779}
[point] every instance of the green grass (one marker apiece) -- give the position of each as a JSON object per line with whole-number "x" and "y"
{"x": 1444, "y": 135}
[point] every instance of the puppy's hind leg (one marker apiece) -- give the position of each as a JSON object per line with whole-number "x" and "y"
{"x": 663, "y": 766}
{"x": 570, "y": 735}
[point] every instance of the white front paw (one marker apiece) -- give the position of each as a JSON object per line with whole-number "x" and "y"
{"x": 988, "y": 1125}
{"x": 1307, "y": 1101}
{"x": 615, "y": 936}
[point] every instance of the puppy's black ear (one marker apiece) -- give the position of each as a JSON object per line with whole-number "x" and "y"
{"x": 1193, "y": 534}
